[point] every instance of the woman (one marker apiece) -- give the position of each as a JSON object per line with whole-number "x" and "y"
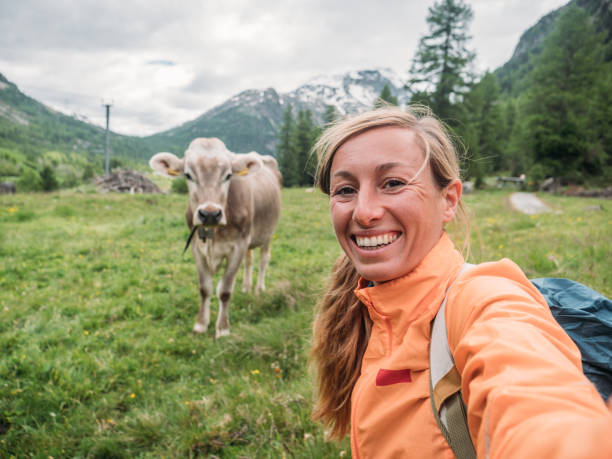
{"x": 393, "y": 183}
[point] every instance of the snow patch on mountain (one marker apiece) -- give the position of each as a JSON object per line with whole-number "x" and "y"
{"x": 350, "y": 92}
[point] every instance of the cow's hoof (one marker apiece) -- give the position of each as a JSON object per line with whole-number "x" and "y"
{"x": 221, "y": 333}
{"x": 199, "y": 328}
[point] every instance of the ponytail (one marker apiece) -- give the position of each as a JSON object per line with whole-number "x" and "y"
{"x": 341, "y": 333}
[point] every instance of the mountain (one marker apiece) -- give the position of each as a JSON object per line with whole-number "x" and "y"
{"x": 30, "y": 127}
{"x": 250, "y": 120}
{"x": 512, "y": 74}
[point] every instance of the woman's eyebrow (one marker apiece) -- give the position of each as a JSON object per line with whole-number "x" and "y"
{"x": 386, "y": 166}
{"x": 343, "y": 174}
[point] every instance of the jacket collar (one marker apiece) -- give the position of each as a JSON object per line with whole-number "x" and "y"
{"x": 419, "y": 291}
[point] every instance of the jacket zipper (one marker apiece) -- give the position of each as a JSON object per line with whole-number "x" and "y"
{"x": 354, "y": 444}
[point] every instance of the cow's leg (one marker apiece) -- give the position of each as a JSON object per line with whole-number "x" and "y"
{"x": 247, "y": 280}
{"x": 225, "y": 288}
{"x": 264, "y": 259}
{"x": 205, "y": 281}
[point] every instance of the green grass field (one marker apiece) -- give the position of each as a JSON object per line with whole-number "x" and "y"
{"x": 97, "y": 358}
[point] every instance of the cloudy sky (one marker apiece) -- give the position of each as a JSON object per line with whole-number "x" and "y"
{"x": 164, "y": 62}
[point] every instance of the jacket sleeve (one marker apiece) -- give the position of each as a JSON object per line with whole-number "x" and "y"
{"x": 521, "y": 374}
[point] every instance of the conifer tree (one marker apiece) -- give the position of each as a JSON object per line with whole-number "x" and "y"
{"x": 564, "y": 124}
{"x": 443, "y": 62}
{"x": 284, "y": 149}
{"x": 330, "y": 114}
{"x": 385, "y": 98}
{"x": 516, "y": 160}
{"x": 48, "y": 179}
{"x": 483, "y": 114}
{"x": 304, "y": 137}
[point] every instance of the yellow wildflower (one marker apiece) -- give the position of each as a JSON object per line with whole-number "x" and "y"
{"x": 255, "y": 372}
{"x": 132, "y": 395}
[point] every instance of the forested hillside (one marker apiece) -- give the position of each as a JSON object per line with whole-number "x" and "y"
{"x": 545, "y": 113}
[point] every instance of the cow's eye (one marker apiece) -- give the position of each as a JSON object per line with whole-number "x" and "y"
{"x": 188, "y": 176}
{"x": 228, "y": 176}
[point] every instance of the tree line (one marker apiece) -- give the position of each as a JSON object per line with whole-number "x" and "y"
{"x": 557, "y": 124}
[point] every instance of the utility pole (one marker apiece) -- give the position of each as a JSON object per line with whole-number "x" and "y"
{"x": 107, "y": 146}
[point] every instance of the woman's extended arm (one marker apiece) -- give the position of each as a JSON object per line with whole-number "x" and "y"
{"x": 521, "y": 374}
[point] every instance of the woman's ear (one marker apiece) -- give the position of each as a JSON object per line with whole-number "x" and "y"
{"x": 451, "y": 195}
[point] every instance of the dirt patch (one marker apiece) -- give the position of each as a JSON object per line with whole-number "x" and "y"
{"x": 528, "y": 203}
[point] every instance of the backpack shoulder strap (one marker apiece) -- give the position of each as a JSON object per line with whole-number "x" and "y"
{"x": 445, "y": 386}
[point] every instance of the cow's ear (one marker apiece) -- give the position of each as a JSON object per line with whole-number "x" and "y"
{"x": 167, "y": 164}
{"x": 246, "y": 164}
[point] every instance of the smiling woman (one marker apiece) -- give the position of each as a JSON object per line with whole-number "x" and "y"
{"x": 387, "y": 209}
{"x": 393, "y": 183}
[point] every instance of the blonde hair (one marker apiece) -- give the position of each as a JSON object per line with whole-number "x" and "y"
{"x": 342, "y": 325}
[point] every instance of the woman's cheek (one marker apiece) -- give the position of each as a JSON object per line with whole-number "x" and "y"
{"x": 340, "y": 214}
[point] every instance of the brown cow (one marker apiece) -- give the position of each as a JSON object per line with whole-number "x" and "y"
{"x": 234, "y": 206}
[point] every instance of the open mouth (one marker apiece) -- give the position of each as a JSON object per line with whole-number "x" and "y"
{"x": 375, "y": 242}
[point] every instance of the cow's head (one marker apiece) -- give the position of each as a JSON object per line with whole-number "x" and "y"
{"x": 210, "y": 168}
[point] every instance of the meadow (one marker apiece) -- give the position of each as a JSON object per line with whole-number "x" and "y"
{"x": 97, "y": 358}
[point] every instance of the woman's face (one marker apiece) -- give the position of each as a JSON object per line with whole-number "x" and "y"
{"x": 385, "y": 218}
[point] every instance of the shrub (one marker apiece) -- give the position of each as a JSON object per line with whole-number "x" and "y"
{"x": 179, "y": 186}
{"x": 29, "y": 180}
{"x": 48, "y": 179}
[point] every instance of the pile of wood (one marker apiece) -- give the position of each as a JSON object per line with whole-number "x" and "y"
{"x": 125, "y": 181}
{"x": 586, "y": 193}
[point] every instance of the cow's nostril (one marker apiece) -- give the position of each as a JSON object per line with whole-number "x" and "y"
{"x": 209, "y": 217}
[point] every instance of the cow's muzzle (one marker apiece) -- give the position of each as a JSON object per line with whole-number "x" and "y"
{"x": 209, "y": 218}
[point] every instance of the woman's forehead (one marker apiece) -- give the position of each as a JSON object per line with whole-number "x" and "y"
{"x": 384, "y": 147}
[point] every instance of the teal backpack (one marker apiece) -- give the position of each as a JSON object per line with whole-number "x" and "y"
{"x": 584, "y": 314}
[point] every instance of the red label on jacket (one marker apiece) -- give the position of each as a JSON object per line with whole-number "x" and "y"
{"x": 388, "y": 377}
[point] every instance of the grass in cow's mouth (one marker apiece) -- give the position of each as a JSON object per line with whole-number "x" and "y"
{"x": 97, "y": 357}
{"x": 203, "y": 233}
{"x": 193, "y": 230}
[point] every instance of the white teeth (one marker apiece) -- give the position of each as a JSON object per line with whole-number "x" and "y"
{"x": 376, "y": 241}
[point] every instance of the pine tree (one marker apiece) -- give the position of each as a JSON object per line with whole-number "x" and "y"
{"x": 284, "y": 149}
{"x": 330, "y": 115}
{"x": 305, "y": 135}
{"x": 564, "y": 124}
{"x": 385, "y": 98}
{"x": 48, "y": 179}
{"x": 443, "y": 62}
{"x": 484, "y": 114}
{"x": 516, "y": 160}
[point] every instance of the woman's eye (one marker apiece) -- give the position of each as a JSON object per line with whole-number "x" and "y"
{"x": 393, "y": 183}
{"x": 188, "y": 176}
{"x": 228, "y": 176}
{"x": 343, "y": 191}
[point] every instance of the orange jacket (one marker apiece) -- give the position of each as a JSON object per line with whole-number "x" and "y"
{"x": 522, "y": 379}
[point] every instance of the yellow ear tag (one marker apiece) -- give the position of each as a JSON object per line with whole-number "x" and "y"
{"x": 244, "y": 171}
{"x": 172, "y": 171}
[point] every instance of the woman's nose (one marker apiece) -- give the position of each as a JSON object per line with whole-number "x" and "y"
{"x": 367, "y": 209}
